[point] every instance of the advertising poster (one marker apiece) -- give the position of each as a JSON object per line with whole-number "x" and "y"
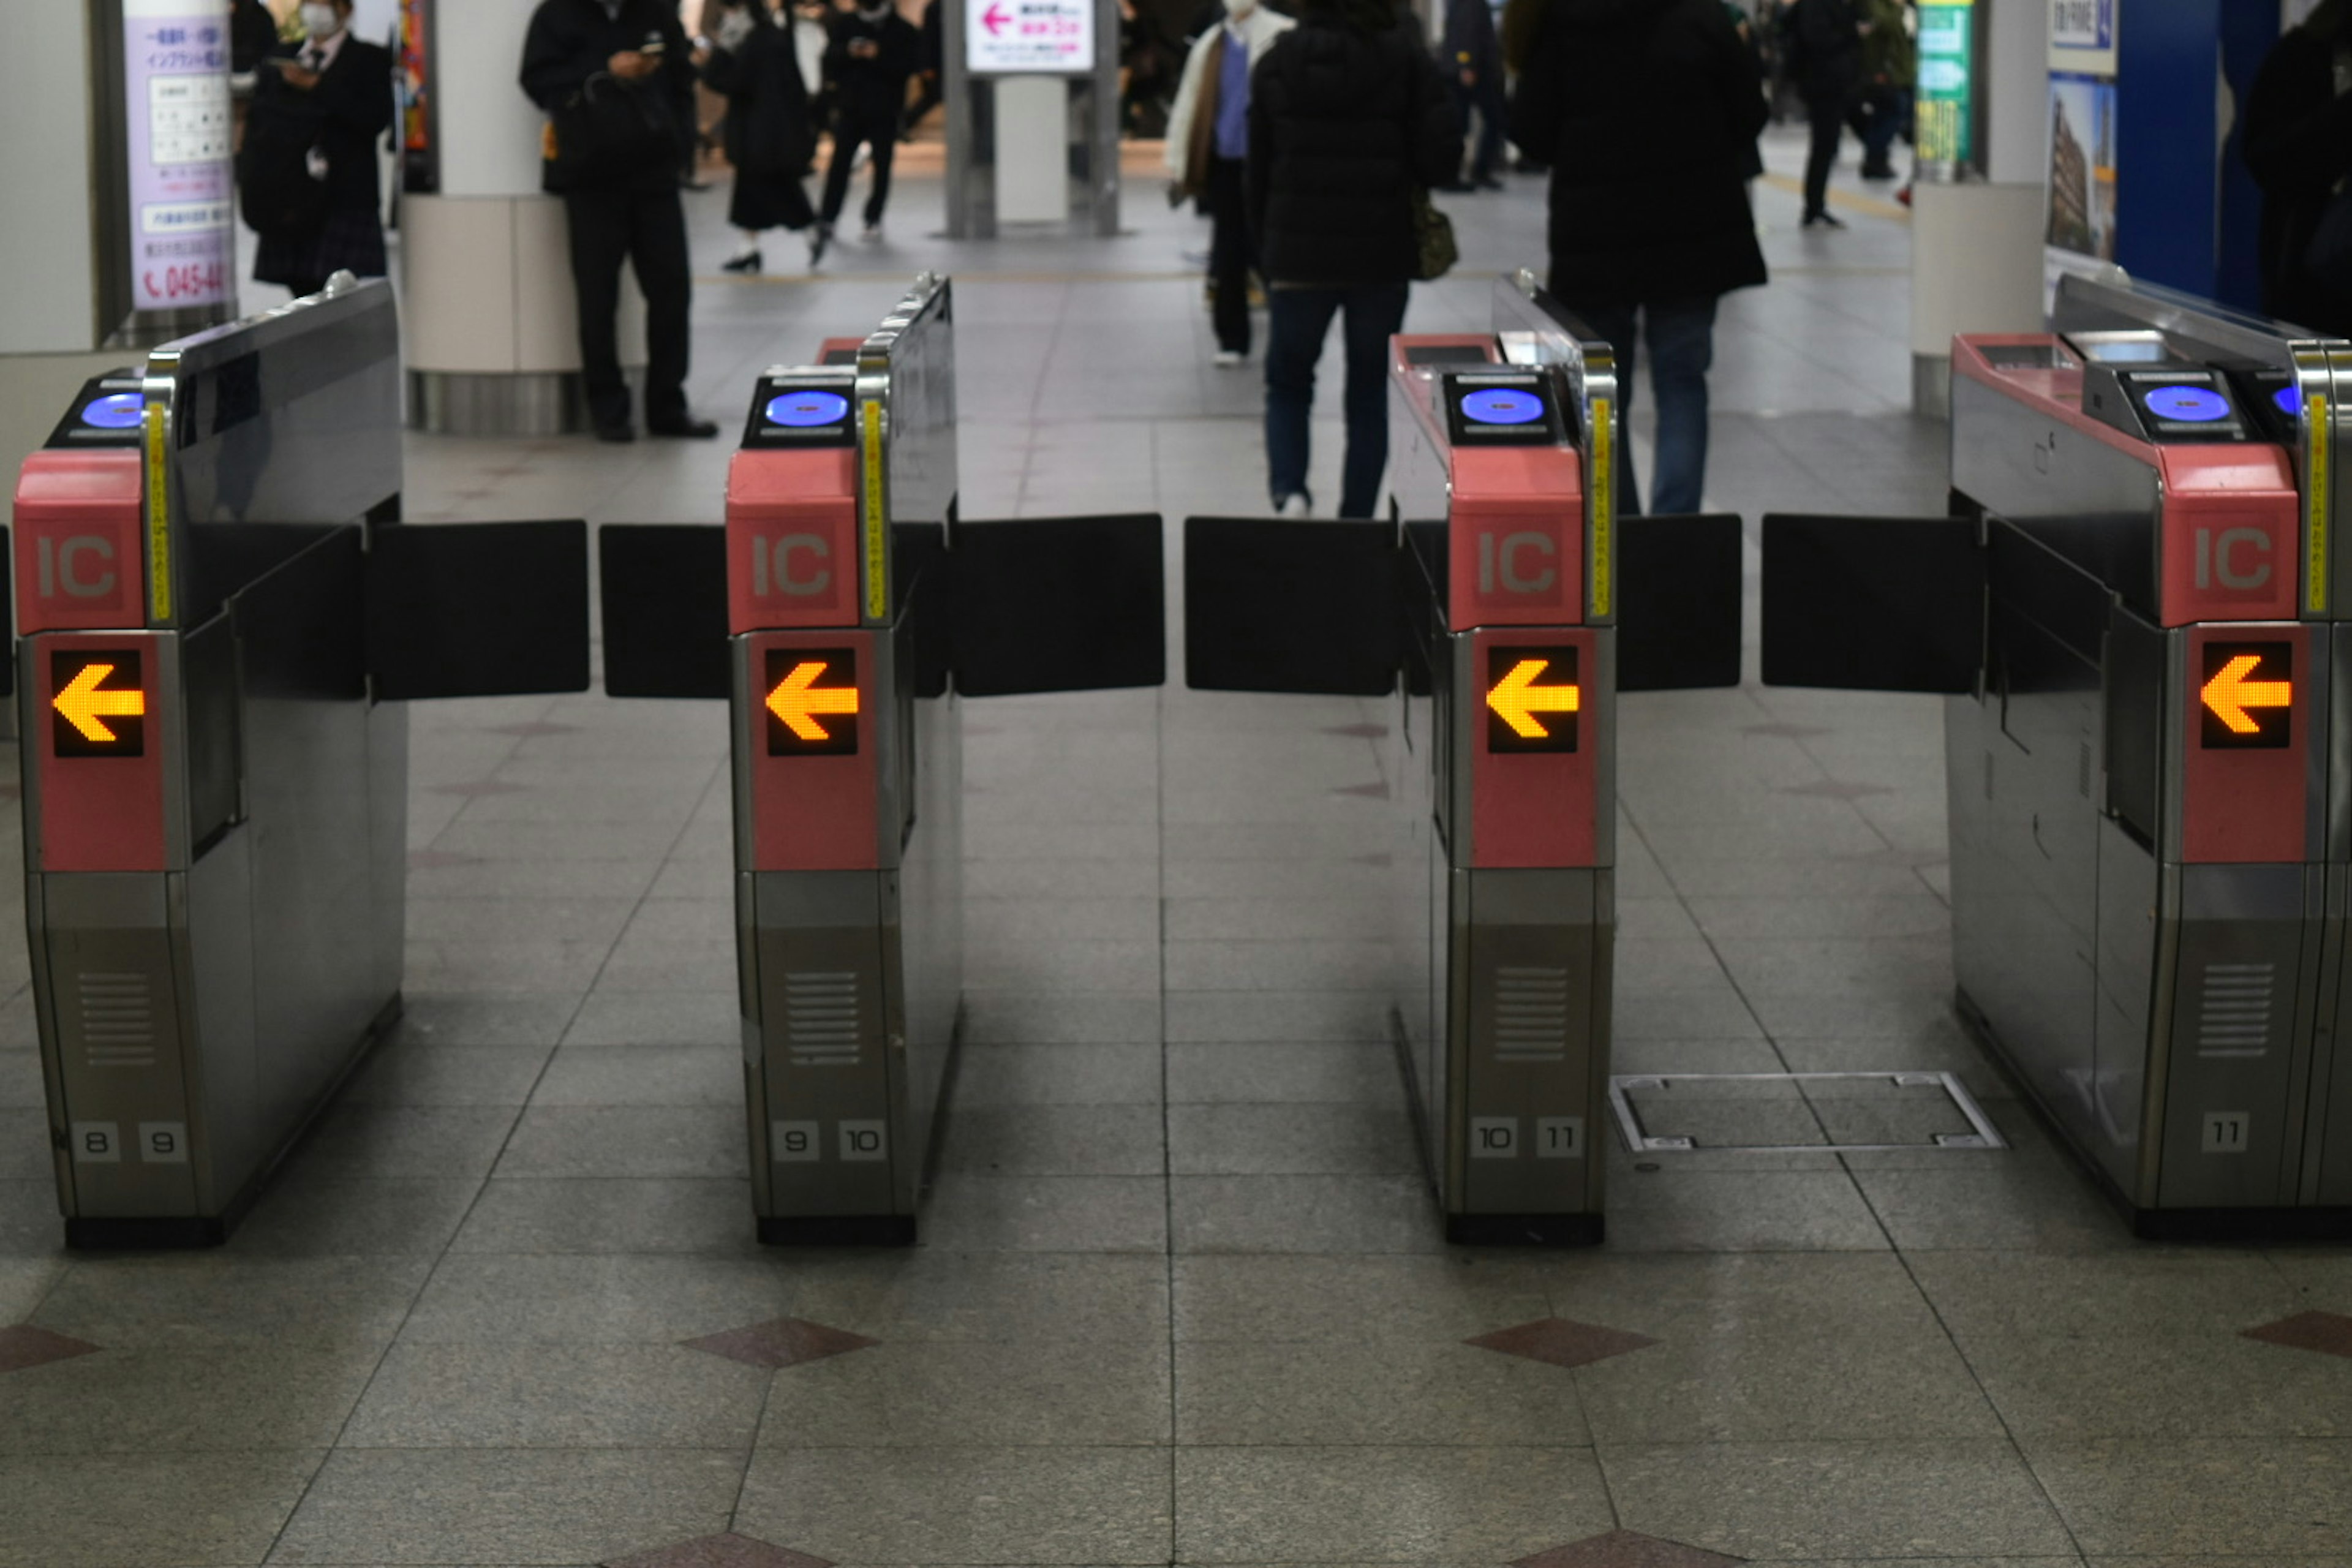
{"x": 1029, "y": 37}
{"x": 175, "y": 79}
{"x": 420, "y": 171}
{"x": 2083, "y": 166}
{"x": 1947, "y": 82}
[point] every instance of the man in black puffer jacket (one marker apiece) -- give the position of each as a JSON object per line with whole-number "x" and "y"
{"x": 1348, "y": 115}
{"x": 1649, "y": 226}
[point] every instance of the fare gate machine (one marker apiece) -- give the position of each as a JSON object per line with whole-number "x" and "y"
{"x": 221, "y": 616}
{"x": 1489, "y": 604}
{"x": 845, "y": 611}
{"x": 2133, "y": 610}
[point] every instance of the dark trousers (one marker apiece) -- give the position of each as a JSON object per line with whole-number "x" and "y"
{"x": 1880, "y": 114}
{"x": 1486, "y": 99}
{"x": 1297, "y": 320}
{"x": 1825, "y": 111}
{"x": 880, "y": 133}
{"x": 1681, "y": 347}
{"x": 646, "y": 226}
{"x": 1229, "y": 255}
{"x": 928, "y": 95}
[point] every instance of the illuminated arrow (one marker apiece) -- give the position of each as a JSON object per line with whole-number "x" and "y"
{"x": 83, "y": 704}
{"x": 2229, "y": 694}
{"x": 797, "y": 698}
{"x": 995, "y": 18}
{"x": 1518, "y": 698}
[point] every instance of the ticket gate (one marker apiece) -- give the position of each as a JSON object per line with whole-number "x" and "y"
{"x": 2132, "y": 609}
{"x": 845, "y": 611}
{"x": 221, "y": 617}
{"x": 1505, "y": 603}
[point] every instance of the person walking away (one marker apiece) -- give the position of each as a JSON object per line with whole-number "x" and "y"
{"x": 1889, "y": 60}
{"x": 311, "y": 184}
{"x": 1829, "y": 73}
{"x": 870, "y": 53}
{"x": 1208, "y": 154}
{"x": 607, "y": 72}
{"x": 1349, "y": 118}
{"x": 2298, "y": 146}
{"x": 1474, "y": 64}
{"x": 753, "y": 63}
{"x": 1651, "y": 237}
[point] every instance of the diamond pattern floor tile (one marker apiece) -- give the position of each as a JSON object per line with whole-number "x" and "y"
{"x": 782, "y": 1342}
{"x": 2330, "y": 1333}
{"x": 1562, "y": 1342}
{"x": 23, "y": 1345}
{"x": 728, "y": 1550}
{"x": 1626, "y": 1549}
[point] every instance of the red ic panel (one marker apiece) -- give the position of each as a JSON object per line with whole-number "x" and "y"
{"x": 99, "y": 753}
{"x": 80, "y": 562}
{"x": 1533, "y": 744}
{"x": 792, "y": 539}
{"x": 1516, "y": 534}
{"x": 811, "y": 746}
{"x": 2233, "y": 534}
{"x": 2245, "y": 740}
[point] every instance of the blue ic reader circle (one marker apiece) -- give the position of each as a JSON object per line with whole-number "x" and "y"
{"x": 2192, "y": 404}
{"x": 2285, "y": 399}
{"x": 1500, "y": 405}
{"x": 806, "y": 410}
{"x": 119, "y": 411}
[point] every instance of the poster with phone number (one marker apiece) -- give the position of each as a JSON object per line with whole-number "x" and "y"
{"x": 177, "y": 103}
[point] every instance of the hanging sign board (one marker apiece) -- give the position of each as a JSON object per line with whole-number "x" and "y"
{"x": 1029, "y": 37}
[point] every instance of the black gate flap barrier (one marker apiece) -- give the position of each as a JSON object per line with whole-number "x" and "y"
{"x": 1065, "y": 603}
{"x": 1070, "y": 604}
{"x": 484, "y": 609}
{"x": 664, "y": 596}
{"x": 1316, "y": 606}
{"x": 1874, "y": 603}
{"x": 1285, "y": 605}
{"x": 1679, "y": 603}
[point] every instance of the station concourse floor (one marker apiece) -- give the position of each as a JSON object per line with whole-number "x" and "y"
{"x": 1181, "y": 1297}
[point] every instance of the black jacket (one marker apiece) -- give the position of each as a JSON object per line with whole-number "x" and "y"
{"x": 1344, "y": 123}
{"x": 768, "y": 127}
{"x": 343, "y": 116}
{"x": 1648, "y": 112}
{"x": 2298, "y": 143}
{"x": 572, "y": 41}
{"x": 1829, "y": 49}
{"x": 1470, "y": 43}
{"x": 872, "y": 89}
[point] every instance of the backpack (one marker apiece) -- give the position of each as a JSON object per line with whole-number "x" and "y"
{"x": 275, "y": 189}
{"x": 607, "y": 134}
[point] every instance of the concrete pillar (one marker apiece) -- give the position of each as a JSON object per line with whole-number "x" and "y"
{"x": 489, "y": 311}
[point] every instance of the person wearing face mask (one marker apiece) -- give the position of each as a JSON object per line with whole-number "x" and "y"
{"x": 308, "y": 165}
{"x": 871, "y": 53}
{"x": 1208, "y": 156}
{"x": 768, "y": 137}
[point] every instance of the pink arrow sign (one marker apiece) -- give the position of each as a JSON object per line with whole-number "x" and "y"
{"x": 994, "y": 19}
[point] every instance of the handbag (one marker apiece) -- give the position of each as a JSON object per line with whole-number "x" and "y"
{"x": 606, "y": 132}
{"x": 279, "y": 189}
{"x": 1435, "y": 252}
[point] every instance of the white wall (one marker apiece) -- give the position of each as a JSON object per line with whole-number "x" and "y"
{"x": 489, "y": 132}
{"x": 45, "y": 252}
{"x": 2016, "y": 81}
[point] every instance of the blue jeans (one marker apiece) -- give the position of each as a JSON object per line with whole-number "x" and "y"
{"x": 1682, "y": 346}
{"x": 1297, "y": 320}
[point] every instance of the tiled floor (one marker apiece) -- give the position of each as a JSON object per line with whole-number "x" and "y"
{"x": 1181, "y": 1298}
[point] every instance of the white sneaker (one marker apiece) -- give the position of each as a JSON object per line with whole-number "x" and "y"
{"x": 1226, "y": 359}
{"x": 1292, "y": 506}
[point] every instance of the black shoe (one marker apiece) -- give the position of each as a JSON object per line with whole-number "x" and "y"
{"x": 1457, "y": 188}
{"x": 749, "y": 261}
{"x": 616, "y": 432}
{"x": 1487, "y": 183}
{"x": 1823, "y": 219}
{"x": 685, "y": 427}
{"x": 819, "y": 237}
{"x": 1878, "y": 171}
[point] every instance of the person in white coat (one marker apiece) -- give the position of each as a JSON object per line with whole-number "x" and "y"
{"x": 1208, "y": 154}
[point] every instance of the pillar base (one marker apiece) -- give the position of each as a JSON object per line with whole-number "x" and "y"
{"x": 451, "y": 403}
{"x": 1931, "y": 386}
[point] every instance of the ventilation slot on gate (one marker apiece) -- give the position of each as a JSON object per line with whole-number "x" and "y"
{"x": 821, "y": 1018}
{"x": 118, "y": 1020}
{"x": 1531, "y": 1015}
{"x": 2234, "y": 1020}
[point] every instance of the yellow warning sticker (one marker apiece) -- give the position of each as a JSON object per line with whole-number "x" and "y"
{"x": 2316, "y": 439}
{"x": 1603, "y": 479}
{"x": 877, "y": 525}
{"x": 159, "y": 520}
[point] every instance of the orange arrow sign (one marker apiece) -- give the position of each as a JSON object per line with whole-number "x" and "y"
{"x": 2229, "y": 694}
{"x": 1518, "y": 698}
{"x": 797, "y": 698}
{"x": 83, "y": 704}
